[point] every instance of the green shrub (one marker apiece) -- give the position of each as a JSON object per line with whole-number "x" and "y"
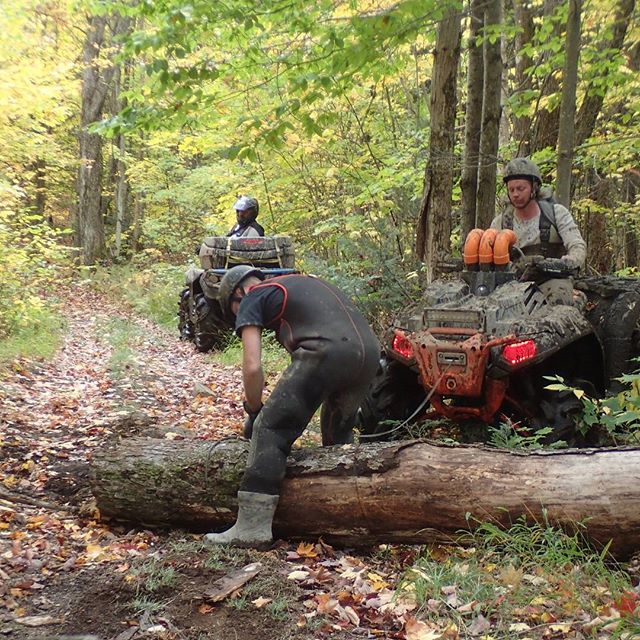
{"x": 32, "y": 259}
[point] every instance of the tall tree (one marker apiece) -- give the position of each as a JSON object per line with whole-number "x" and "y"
{"x": 434, "y": 223}
{"x": 490, "y": 113}
{"x": 566, "y": 128}
{"x": 596, "y": 93}
{"x": 545, "y": 129}
{"x": 96, "y": 83}
{"x": 523, "y": 18}
{"x": 473, "y": 119}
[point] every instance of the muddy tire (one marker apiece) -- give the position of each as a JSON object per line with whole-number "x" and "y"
{"x": 561, "y": 410}
{"x": 211, "y": 330}
{"x": 393, "y": 396}
{"x": 185, "y": 326}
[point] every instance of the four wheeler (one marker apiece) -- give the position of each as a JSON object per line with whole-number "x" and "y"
{"x": 201, "y": 319}
{"x": 482, "y": 347}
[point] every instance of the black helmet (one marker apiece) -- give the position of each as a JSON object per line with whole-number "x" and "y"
{"x": 522, "y": 168}
{"x": 244, "y": 203}
{"x": 231, "y": 281}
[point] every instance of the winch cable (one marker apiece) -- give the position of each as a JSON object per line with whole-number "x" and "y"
{"x": 412, "y": 416}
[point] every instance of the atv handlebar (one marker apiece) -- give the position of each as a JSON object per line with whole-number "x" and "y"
{"x": 548, "y": 267}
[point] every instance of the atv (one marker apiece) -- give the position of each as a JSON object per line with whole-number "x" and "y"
{"x": 483, "y": 346}
{"x": 201, "y": 319}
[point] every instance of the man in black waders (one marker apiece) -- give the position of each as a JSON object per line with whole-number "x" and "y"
{"x": 334, "y": 357}
{"x": 543, "y": 227}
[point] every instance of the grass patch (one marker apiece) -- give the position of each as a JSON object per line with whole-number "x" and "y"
{"x": 274, "y": 358}
{"x": 40, "y": 339}
{"x": 152, "y": 291}
{"x": 526, "y": 576}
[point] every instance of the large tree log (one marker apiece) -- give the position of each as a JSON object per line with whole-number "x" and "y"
{"x": 410, "y": 492}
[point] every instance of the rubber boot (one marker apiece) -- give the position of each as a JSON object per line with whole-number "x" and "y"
{"x": 253, "y": 526}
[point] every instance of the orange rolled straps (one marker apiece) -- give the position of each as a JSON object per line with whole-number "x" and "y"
{"x": 471, "y": 247}
{"x": 501, "y": 248}
{"x": 485, "y": 252}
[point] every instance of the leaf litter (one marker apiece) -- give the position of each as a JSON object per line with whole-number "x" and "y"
{"x": 57, "y": 559}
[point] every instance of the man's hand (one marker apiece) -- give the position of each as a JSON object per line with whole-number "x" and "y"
{"x": 247, "y": 430}
{"x": 570, "y": 262}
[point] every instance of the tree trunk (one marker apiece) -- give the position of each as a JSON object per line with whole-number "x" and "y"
{"x": 95, "y": 85}
{"x": 593, "y": 101}
{"x": 545, "y": 133}
{"x": 473, "y": 121}
{"x": 524, "y": 21}
{"x": 433, "y": 237}
{"x": 566, "y": 124}
{"x": 407, "y": 492}
{"x": 90, "y": 223}
{"x": 631, "y": 186}
{"x": 486, "y": 199}
{"x": 594, "y": 228}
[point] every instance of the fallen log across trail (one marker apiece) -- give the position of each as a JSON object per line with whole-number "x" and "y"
{"x": 403, "y": 492}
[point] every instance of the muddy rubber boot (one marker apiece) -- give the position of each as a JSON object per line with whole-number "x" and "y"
{"x": 253, "y": 526}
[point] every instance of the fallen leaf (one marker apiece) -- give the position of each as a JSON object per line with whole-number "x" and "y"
{"x": 418, "y": 630}
{"x": 298, "y": 575}
{"x": 307, "y": 550}
{"x": 260, "y": 602}
{"x": 479, "y": 626}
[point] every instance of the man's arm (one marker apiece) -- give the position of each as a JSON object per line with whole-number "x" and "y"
{"x": 252, "y": 374}
{"x": 570, "y": 235}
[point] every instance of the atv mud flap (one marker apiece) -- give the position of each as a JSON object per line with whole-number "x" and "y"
{"x": 453, "y": 364}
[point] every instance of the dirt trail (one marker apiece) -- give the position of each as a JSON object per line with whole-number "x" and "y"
{"x": 53, "y": 415}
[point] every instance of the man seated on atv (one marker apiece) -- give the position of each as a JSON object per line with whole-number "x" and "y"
{"x": 542, "y": 227}
{"x": 246, "y": 226}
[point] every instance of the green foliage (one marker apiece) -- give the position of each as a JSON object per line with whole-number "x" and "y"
{"x": 504, "y": 571}
{"x": 618, "y": 416}
{"x": 32, "y": 260}
{"x": 151, "y": 289}
{"x": 274, "y": 357}
{"x": 532, "y": 544}
{"x": 507, "y": 436}
{"x": 40, "y": 339}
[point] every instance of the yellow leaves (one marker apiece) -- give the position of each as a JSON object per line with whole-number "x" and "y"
{"x": 10, "y": 481}
{"x": 93, "y": 552}
{"x": 307, "y": 550}
{"x": 378, "y": 583}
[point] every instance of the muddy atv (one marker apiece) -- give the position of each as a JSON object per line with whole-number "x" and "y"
{"x": 200, "y": 317}
{"x": 482, "y": 346}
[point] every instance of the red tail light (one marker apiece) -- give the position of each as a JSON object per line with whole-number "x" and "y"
{"x": 518, "y": 352}
{"x": 402, "y": 346}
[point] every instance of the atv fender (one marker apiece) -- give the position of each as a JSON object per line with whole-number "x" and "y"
{"x": 192, "y": 275}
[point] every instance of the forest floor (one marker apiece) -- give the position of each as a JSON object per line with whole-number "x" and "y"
{"x": 64, "y": 573}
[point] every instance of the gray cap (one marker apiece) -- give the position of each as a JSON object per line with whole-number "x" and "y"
{"x": 231, "y": 281}
{"x": 522, "y": 168}
{"x": 245, "y": 202}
